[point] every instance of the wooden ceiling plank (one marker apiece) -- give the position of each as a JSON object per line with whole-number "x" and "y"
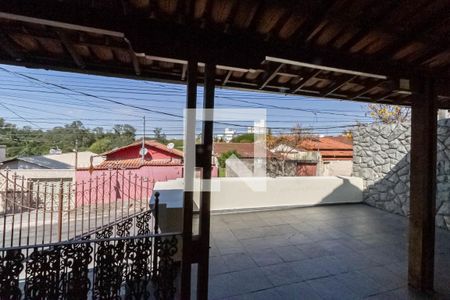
{"x": 227, "y": 78}
{"x": 256, "y": 16}
{"x": 365, "y": 90}
{"x": 418, "y": 33}
{"x": 280, "y": 22}
{"x": 370, "y": 24}
{"x": 135, "y": 62}
{"x": 305, "y": 79}
{"x": 207, "y": 18}
{"x": 336, "y": 85}
{"x": 184, "y": 72}
{"x": 231, "y": 15}
{"x": 314, "y": 20}
{"x": 271, "y": 75}
{"x": 10, "y": 48}
{"x": 68, "y": 44}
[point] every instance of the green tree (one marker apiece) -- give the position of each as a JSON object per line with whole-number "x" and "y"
{"x": 160, "y": 136}
{"x": 101, "y": 145}
{"x": 28, "y": 141}
{"x": 224, "y": 156}
{"x": 244, "y": 138}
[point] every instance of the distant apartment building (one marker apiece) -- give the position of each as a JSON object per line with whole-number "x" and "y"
{"x": 227, "y": 136}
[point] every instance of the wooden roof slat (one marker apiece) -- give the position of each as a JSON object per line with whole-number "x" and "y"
{"x": 418, "y": 41}
{"x": 227, "y": 78}
{"x": 314, "y": 20}
{"x": 271, "y": 74}
{"x": 10, "y": 48}
{"x": 304, "y": 80}
{"x": 372, "y": 22}
{"x": 70, "y": 48}
{"x": 231, "y": 15}
{"x": 367, "y": 88}
{"x": 336, "y": 85}
{"x": 416, "y": 33}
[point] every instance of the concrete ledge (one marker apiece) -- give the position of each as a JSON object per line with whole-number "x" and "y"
{"x": 236, "y": 194}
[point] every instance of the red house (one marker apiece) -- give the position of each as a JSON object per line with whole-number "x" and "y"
{"x": 130, "y": 155}
{"x": 127, "y": 174}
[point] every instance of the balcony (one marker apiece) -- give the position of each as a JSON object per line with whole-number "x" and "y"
{"x": 350, "y": 251}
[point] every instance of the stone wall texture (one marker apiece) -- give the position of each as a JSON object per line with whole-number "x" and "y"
{"x": 381, "y": 157}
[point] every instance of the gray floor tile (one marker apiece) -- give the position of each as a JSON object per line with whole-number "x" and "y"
{"x": 360, "y": 284}
{"x": 297, "y": 291}
{"x": 265, "y": 257}
{"x": 281, "y": 274}
{"x": 290, "y": 253}
{"x": 309, "y": 269}
{"x": 326, "y": 252}
{"x": 238, "y": 261}
{"x": 331, "y": 288}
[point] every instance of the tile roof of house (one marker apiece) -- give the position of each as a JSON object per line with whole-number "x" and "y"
{"x": 136, "y": 163}
{"x": 60, "y": 161}
{"x": 325, "y": 143}
{"x": 245, "y": 150}
{"x": 331, "y": 148}
{"x": 150, "y": 143}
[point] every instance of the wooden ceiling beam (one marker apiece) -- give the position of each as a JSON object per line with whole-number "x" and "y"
{"x": 184, "y": 72}
{"x": 315, "y": 17}
{"x": 134, "y": 59}
{"x": 270, "y": 75}
{"x": 8, "y": 46}
{"x": 372, "y": 22}
{"x": 418, "y": 33}
{"x": 231, "y": 15}
{"x": 288, "y": 11}
{"x": 68, "y": 44}
{"x": 337, "y": 84}
{"x": 168, "y": 39}
{"x": 303, "y": 81}
{"x": 365, "y": 90}
{"x": 227, "y": 78}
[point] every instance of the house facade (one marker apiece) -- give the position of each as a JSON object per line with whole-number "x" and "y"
{"x": 50, "y": 167}
{"x": 297, "y": 163}
{"x": 336, "y": 153}
{"x": 124, "y": 173}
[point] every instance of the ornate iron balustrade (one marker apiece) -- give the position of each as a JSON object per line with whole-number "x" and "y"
{"x": 104, "y": 267}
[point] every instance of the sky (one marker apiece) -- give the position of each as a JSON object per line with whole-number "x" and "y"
{"x": 45, "y": 99}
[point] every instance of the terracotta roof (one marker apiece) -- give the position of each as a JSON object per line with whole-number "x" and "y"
{"x": 341, "y": 139}
{"x": 150, "y": 143}
{"x": 330, "y": 148}
{"x": 136, "y": 163}
{"x": 245, "y": 150}
{"x": 325, "y": 143}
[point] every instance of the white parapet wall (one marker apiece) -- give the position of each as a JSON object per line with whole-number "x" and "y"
{"x": 237, "y": 193}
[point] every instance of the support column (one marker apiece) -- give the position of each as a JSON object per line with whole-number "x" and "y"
{"x": 189, "y": 174}
{"x": 204, "y": 222}
{"x": 423, "y": 185}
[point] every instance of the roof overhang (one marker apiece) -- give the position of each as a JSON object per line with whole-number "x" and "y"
{"x": 128, "y": 43}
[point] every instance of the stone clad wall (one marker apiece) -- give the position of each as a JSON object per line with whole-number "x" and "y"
{"x": 381, "y": 157}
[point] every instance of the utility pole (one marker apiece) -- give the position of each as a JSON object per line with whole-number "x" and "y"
{"x": 76, "y": 159}
{"x": 143, "y": 144}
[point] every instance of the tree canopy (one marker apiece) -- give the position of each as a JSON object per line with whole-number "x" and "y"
{"x": 389, "y": 114}
{"x": 27, "y": 141}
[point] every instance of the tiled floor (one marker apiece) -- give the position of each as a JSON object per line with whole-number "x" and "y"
{"x": 326, "y": 252}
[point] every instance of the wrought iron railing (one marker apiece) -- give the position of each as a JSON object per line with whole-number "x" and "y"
{"x": 102, "y": 267}
{"x": 38, "y": 212}
{"x": 124, "y": 259}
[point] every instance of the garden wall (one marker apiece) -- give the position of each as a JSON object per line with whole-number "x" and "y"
{"x": 381, "y": 158}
